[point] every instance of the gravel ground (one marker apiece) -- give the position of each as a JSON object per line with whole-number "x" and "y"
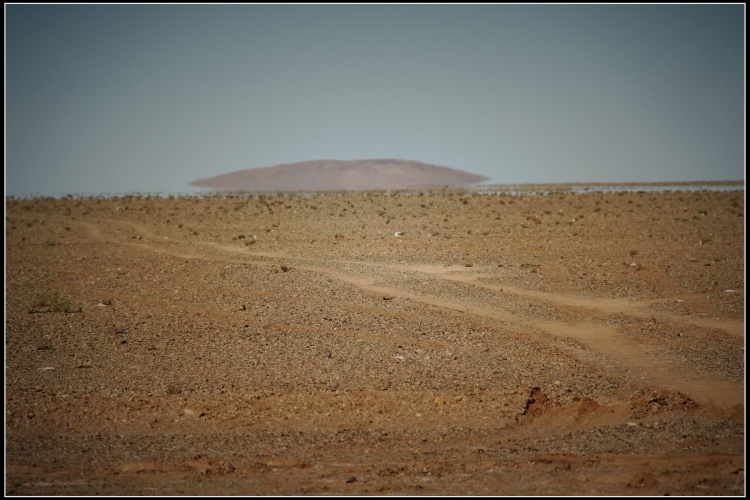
{"x": 376, "y": 343}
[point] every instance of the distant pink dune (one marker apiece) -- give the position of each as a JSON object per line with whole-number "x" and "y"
{"x": 336, "y": 175}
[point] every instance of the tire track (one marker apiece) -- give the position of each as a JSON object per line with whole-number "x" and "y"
{"x": 627, "y": 307}
{"x": 600, "y": 339}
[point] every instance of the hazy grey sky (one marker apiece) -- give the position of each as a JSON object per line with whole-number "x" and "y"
{"x": 145, "y": 98}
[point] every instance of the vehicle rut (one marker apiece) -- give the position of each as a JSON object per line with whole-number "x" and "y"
{"x": 598, "y": 338}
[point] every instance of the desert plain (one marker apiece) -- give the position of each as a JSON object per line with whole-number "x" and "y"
{"x": 436, "y": 342}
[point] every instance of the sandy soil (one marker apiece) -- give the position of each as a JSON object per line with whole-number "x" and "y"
{"x": 378, "y": 343}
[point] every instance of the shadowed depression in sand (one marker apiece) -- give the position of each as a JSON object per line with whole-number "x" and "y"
{"x": 436, "y": 342}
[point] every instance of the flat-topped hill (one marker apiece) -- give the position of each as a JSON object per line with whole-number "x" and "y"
{"x": 334, "y": 175}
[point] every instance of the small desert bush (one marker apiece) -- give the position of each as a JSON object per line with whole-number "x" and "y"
{"x": 174, "y": 389}
{"x": 51, "y": 302}
{"x": 44, "y": 345}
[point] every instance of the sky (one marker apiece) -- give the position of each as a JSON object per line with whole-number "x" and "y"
{"x": 113, "y": 99}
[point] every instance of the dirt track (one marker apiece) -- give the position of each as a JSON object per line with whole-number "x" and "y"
{"x": 376, "y": 344}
